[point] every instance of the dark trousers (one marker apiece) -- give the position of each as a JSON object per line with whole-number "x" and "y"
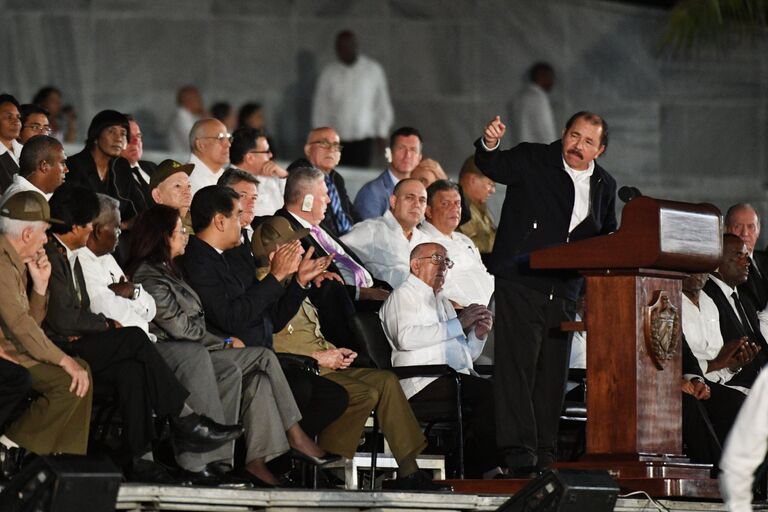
{"x": 334, "y": 309}
{"x": 320, "y": 400}
{"x": 15, "y": 385}
{"x": 357, "y": 153}
{"x": 124, "y": 360}
{"x": 531, "y": 359}
{"x": 478, "y": 409}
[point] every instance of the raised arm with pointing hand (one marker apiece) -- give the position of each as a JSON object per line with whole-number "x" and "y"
{"x": 493, "y": 132}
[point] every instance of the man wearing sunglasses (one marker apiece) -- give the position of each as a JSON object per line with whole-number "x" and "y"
{"x": 209, "y": 142}
{"x": 423, "y": 328}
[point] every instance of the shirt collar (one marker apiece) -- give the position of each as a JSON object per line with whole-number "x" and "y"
{"x": 199, "y": 164}
{"x": 430, "y": 229}
{"x": 394, "y": 178}
{"x": 71, "y": 255}
{"x": 16, "y": 150}
{"x": 727, "y": 290}
{"x": 304, "y": 223}
{"x": 579, "y": 174}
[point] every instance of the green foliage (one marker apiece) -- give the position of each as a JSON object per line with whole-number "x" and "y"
{"x": 721, "y": 24}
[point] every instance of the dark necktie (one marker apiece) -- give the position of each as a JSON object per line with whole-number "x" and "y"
{"x": 138, "y": 177}
{"x": 745, "y": 323}
{"x": 343, "y": 225}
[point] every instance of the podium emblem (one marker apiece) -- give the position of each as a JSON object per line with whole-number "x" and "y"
{"x": 662, "y": 328}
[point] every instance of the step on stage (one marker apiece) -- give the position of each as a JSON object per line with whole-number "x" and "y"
{"x": 136, "y": 497}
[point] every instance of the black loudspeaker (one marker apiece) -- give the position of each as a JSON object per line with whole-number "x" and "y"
{"x": 566, "y": 491}
{"x": 63, "y": 483}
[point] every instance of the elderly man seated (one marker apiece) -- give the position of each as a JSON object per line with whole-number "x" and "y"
{"x": 170, "y": 186}
{"x": 470, "y": 282}
{"x": 368, "y": 389}
{"x": 422, "y": 327}
{"x": 57, "y": 421}
{"x": 209, "y": 142}
{"x": 384, "y": 243}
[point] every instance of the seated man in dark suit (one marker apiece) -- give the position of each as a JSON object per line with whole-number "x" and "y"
{"x": 236, "y": 303}
{"x": 736, "y": 313}
{"x": 743, "y": 221}
{"x": 122, "y": 359}
{"x": 141, "y": 170}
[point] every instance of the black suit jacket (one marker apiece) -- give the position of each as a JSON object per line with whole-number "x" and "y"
{"x": 329, "y": 222}
{"x": 731, "y": 328}
{"x": 8, "y": 169}
{"x": 756, "y": 287}
{"x": 119, "y": 183}
{"x": 68, "y": 314}
{"x": 537, "y": 212}
{"x": 235, "y": 302}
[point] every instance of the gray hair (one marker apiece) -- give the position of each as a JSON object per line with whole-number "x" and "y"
{"x": 735, "y": 208}
{"x": 108, "y": 207}
{"x": 196, "y": 131}
{"x": 299, "y": 183}
{"x": 14, "y": 227}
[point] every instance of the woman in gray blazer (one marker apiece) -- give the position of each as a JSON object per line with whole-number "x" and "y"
{"x": 267, "y": 407}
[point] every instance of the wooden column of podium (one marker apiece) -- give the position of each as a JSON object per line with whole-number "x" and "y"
{"x": 634, "y": 410}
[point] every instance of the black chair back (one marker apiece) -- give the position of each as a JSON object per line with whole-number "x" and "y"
{"x": 369, "y": 333}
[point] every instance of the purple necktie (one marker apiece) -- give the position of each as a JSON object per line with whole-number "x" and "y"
{"x": 340, "y": 259}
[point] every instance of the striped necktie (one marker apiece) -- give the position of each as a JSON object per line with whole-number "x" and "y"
{"x": 340, "y": 259}
{"x": 343, "y": 225}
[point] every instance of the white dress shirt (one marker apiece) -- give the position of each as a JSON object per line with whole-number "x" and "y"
{"x": 536, "y": 122}
{"x": 701, "y": 327}
{"x": 102, "y": 271}
{"x": 422, "y": 328}
{"x": 16, "y": 150}
{"x": 271, "y": 190}
{"x": 381, "y": 245}
{"x": 21, "y": 184}
{"x": 581, "y": 195}
{"x": 468, "y": 282}
{"x": 178, "y": 131}
{"x": 354, "y": 100}
{"x": 346, "y": 275}
{"x": 202, "y": 175}
{"x": 745, "y": 448}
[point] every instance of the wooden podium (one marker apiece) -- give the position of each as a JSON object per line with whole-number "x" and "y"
{"x": 632, "y": 320}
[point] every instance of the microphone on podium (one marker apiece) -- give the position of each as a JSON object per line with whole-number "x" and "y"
{"x": 626, "y": 194}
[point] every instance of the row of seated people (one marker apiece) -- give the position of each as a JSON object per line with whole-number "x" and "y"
{"x": 241, "y": 306}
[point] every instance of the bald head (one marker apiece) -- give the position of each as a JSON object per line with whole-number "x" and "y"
{"x": 210, "y": 142}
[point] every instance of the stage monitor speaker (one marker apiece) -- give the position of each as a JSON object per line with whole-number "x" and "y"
{"x": 63, "y": 483}
{"x": 566, "y": 491}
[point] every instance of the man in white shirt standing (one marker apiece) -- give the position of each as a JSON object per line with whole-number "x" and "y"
{"x": 536, "y": 122}
{"x": 209, "y": 142}
{"x": 422, "y": 328}
{"x": 384, "y": 243}
{"x": 43, "y": 166}
{"x": 352, "y": 96}
{"x": 470, "y": 282}
{"x": 190, "y": 109}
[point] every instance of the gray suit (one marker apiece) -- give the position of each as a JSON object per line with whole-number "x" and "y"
{"x": 268, "y": 407}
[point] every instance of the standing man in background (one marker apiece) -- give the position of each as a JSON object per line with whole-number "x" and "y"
{"x": 536, "y": 122}
{"x": 556, "y": 193}
{"x": 352, "y": 96}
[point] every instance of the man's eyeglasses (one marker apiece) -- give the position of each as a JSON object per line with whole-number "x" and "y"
{"x": 265, "y": 152}
{"x": 220, "y": 137}
{"x": 333, "y": 146}
{"x": 39, "y": 128}
{"x": 438, "y": 259}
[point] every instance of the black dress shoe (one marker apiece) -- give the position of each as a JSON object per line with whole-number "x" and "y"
{"x": 317, "y": 461}
{"x": 149, "y": 472}
{"x": 11, "y": 460}
{"x": 253, "y": 479}
{"x": 198, "y": 433}
{"x": 417, "y": 481}
{"x": 213, "y": 477}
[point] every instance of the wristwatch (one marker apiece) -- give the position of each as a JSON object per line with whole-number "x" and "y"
{"x": 136, "y": 292}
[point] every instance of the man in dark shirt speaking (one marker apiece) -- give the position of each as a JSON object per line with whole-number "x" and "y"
{"x": 556, "y": 194}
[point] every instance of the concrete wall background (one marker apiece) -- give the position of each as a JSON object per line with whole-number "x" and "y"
{"x": 691, "y": 129}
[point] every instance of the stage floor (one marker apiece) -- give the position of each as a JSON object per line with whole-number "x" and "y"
{"x": 137, "y": 497}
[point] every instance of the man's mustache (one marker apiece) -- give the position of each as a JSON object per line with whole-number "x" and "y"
{"x": 576, "y": 152}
